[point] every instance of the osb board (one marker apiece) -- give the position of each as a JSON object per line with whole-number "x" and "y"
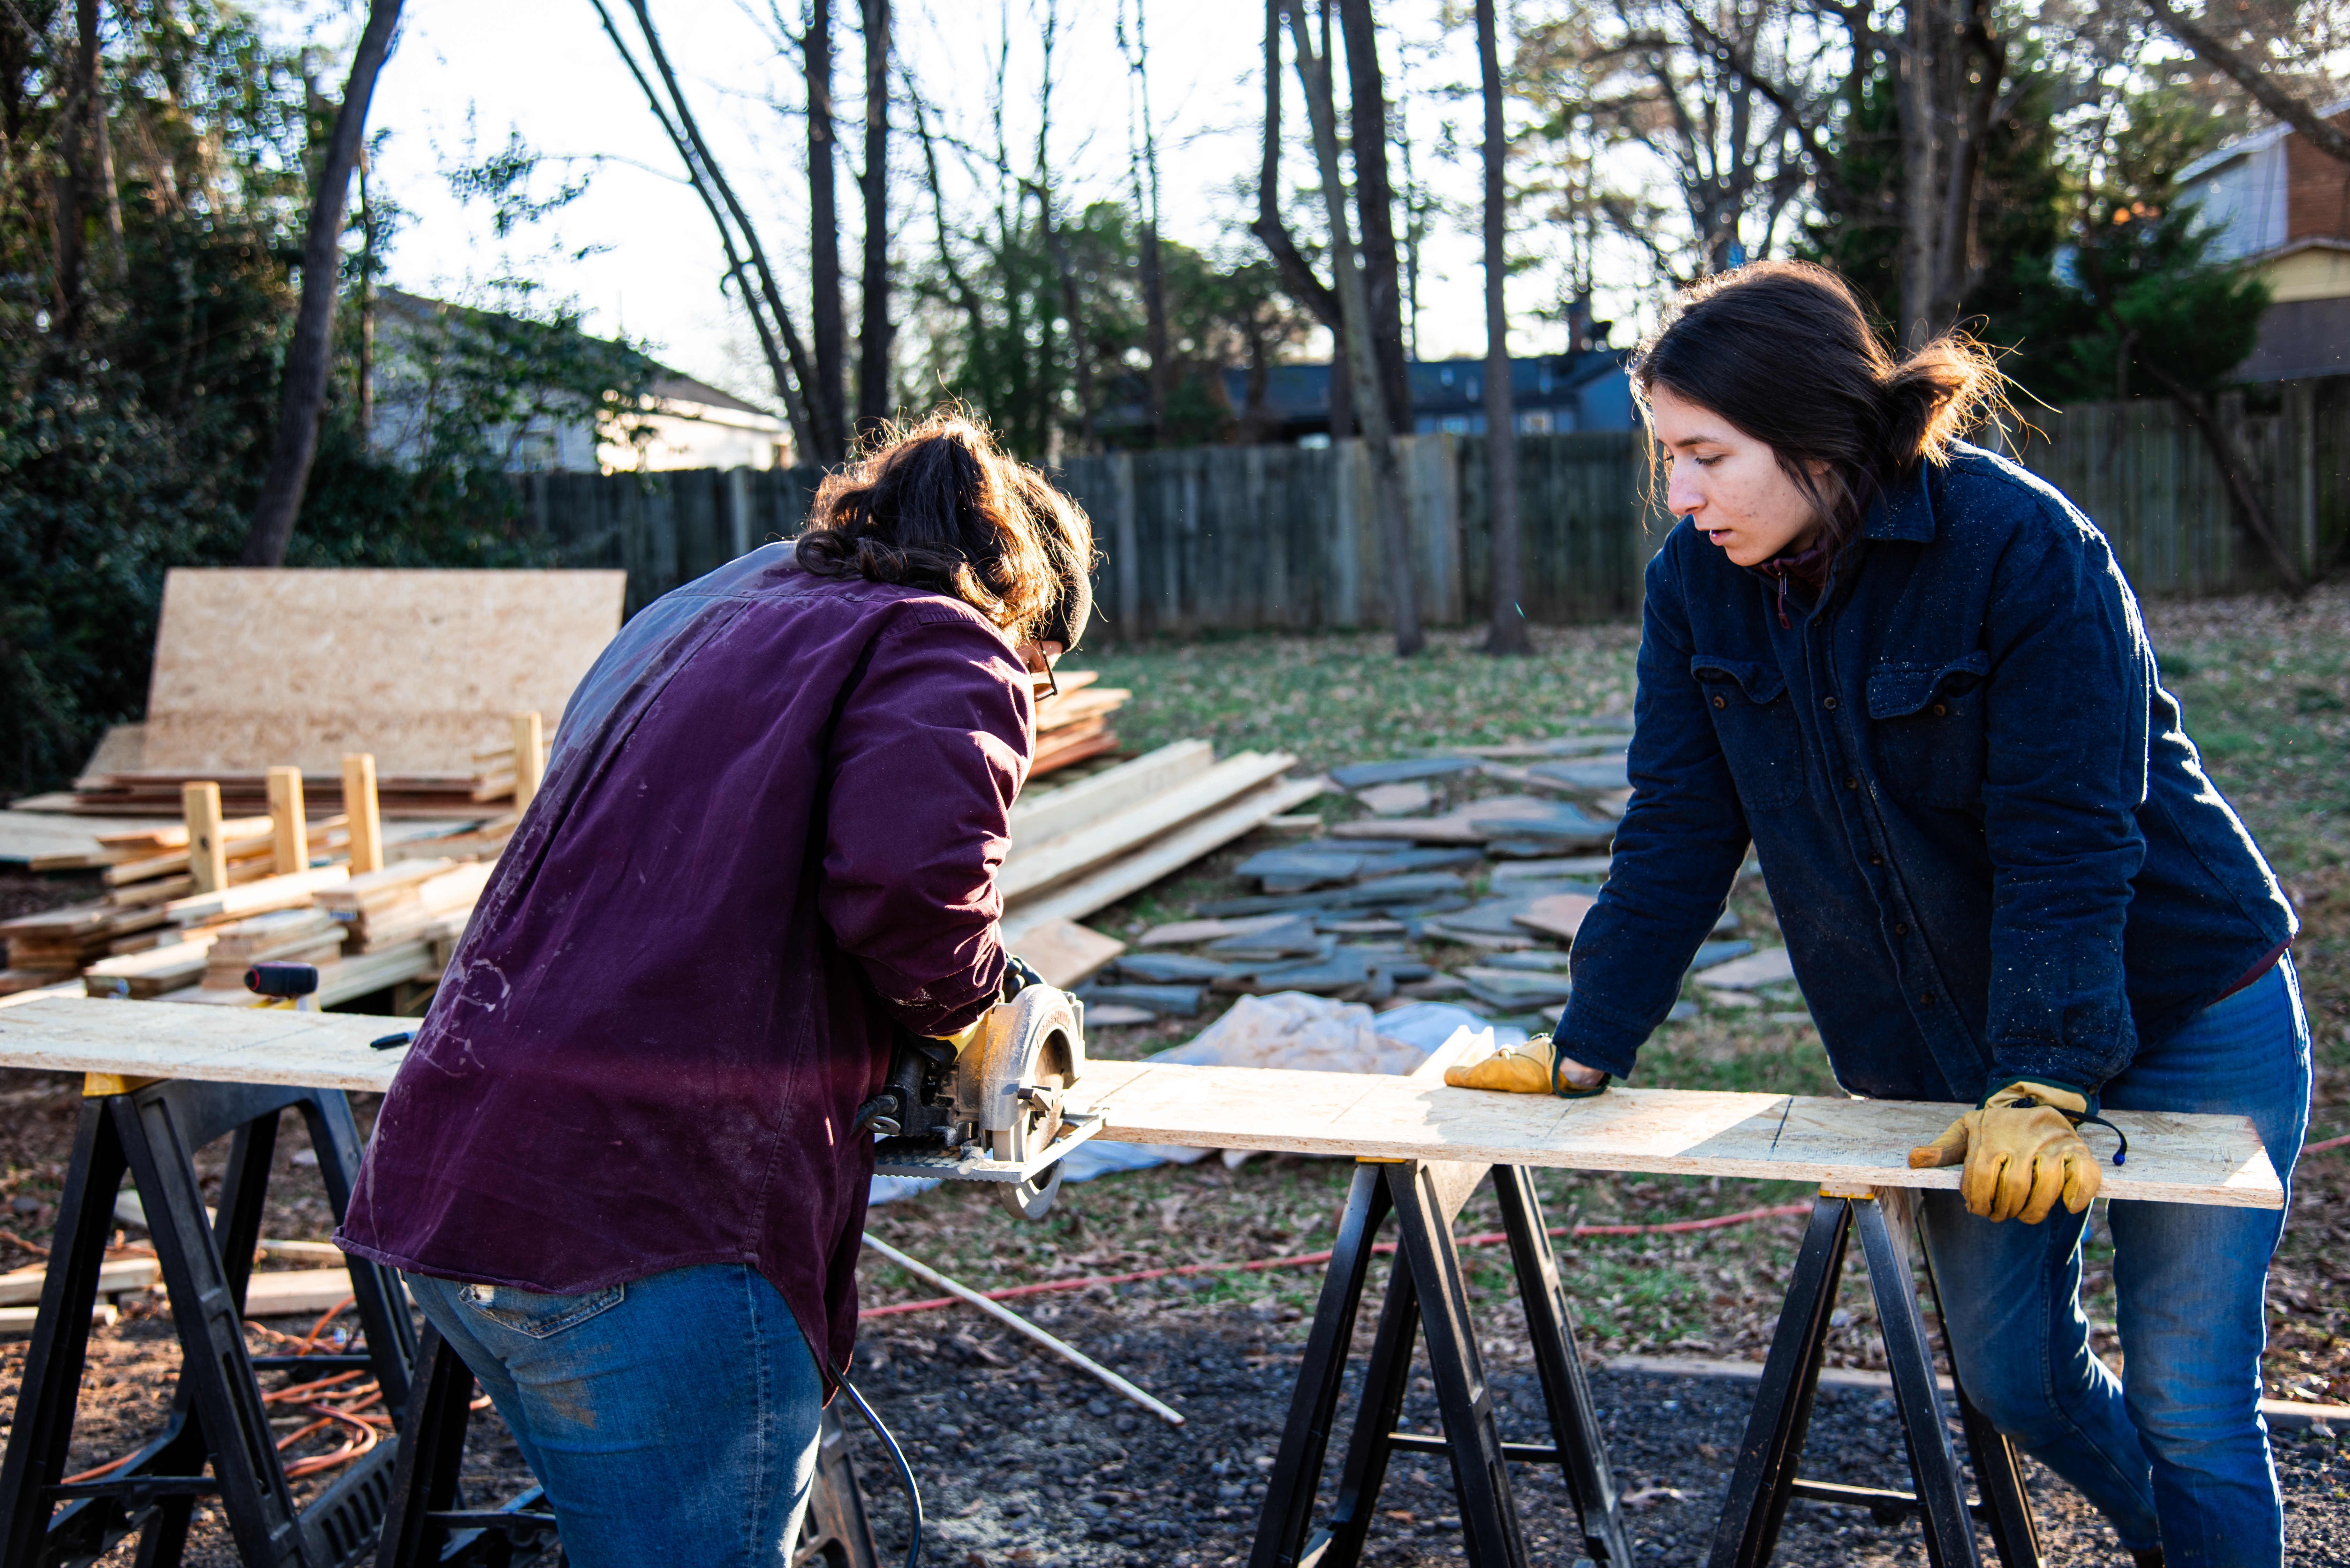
{"x": 121, "y": 750}
{"x": 216, "y": 1045}
{"x": 2173, "y": 1159}
{"x": 256, "y": 668}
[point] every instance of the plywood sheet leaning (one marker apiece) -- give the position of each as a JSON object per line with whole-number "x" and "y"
{"x": 422, "y": 668}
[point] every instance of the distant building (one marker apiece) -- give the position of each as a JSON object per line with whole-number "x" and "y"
{"x": 2278, "y": 203}
{"x": 1551, "y": 393}
{"x": 684, "y": 423}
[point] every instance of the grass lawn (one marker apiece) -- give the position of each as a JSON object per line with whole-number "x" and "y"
{"x": 2266, "y": 690}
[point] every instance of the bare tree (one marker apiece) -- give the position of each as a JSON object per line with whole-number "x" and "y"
{"x": 1509, "y": 633}
{"x": 874, "y": 333}
{"x": 1057, "y": 243}
{"x": 1142, "y": 167}
{"x": 1366, "y": 103}
{"x": 2265, "y": 90}
{"x": 303, "y": 401}
{"x": 1362, "y": 364}
{"x": 827, "y": 326}
{"x": 779, "y": 338}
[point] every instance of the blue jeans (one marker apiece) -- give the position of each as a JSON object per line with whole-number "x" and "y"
{"x": 670, "y": 1419}
{"x": 2173, "y": 1450}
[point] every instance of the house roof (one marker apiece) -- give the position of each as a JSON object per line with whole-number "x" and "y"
{"x": 2244, "y": 146}
{"x": 667, "y": 385}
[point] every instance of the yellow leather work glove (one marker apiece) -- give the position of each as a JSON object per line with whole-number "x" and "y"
{"x": 963, "y": 1037}
{"x": 1532, "y": 1068}
{"x": 2023, "y": 1151}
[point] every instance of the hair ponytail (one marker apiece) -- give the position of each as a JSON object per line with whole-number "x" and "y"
{"x": 1783, "y": 351}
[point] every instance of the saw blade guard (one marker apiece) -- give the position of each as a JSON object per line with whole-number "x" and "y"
{"x": 1013, "y": 1080}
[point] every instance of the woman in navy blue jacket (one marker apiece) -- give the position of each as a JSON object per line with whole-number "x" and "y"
{"x": 1912, "y": 676}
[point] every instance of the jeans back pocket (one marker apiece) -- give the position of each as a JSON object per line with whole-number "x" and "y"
{"x": 1754, "y": 721}
{"x": 1932, "y": 743}
{"x": 527, "y": 1312}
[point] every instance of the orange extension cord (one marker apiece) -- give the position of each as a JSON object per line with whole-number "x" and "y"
{"x": 1306, "y": 1260}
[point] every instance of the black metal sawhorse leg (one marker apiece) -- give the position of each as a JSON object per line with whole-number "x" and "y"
{"x": 1766, "y": 1477}
{"x": 1427, "y": 1291}
{"x": 428, "y": 1523}
{"x": 152, "y": 1131}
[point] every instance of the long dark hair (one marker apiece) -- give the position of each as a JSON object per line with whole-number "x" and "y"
{"x": 937, "y": 504}
{"x": 1783, "y": 351}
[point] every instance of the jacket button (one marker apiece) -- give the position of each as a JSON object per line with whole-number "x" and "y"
{"x": 1827, "y": 702}
{"x": 1876, "y": 860}
{"x": 1851, "y": 781}
{"x": 1900, "y": 931}
{"x": 1924, "y": 999}
{"x": 1722, "y": 701}
{"x": 1941, "y": 710}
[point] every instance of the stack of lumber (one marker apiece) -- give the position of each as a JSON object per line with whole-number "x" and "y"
{"x": 151, "y": 791}
{"x": 1073, "y": 725}
{"x": 1084, "y": 846}
{"x": 157, "y": 971}
{"x": 415, "y": 900}
{"x": 420, "y": 669}
{"x": 284, "y": 936}
{"x": 154, "y": 853}
{"x": 46, "y": 949}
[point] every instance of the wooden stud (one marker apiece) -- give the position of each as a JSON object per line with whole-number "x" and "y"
{"x": 199, "y": 808}
{"x": 529, "y": 761}
{"x": 360, "y": 807}
{"x": 289, "y": 833}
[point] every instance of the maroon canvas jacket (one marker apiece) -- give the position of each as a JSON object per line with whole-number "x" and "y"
{"x": 772, "y": 821}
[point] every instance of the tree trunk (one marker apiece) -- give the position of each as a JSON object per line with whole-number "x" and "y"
{"x": 1374, "y": 201}
{"x": 1362, "y": 364}
{"x": 873, "y": 400}
{"x": 827, "y": 327}
{"x": 70, "y": 192}
{"x": 1509, "y": 633}
{"x": 1154, "y": 317}
{"x": 367, "y": 309}
{"x": 304, "y": 401}
{"x": 1296, "y": 273}
{"x": 1945, "y": 121}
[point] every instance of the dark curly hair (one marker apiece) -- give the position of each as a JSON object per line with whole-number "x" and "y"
{"x": 937, "y": 504}
{"x": 1783, "y": 351}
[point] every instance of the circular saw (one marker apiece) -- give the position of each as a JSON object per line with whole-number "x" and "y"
{"x": 1004, "y": 1109}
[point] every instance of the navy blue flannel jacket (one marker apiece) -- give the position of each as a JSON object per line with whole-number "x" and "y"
{"x": 1991, "y": 845}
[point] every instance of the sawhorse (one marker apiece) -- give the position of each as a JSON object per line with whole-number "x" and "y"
{"x": 427, "y": 1523}
{"x": 1765, "y": 1478}
{"x": 1427, "y": 1293}
{"x": 152, "y": 1130}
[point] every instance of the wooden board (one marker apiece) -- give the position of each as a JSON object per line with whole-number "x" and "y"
{"x": 1067, "y": 953}
{"x": 2173, "y": 1159}
{"x": 27, "y": 837}
{"x": 1030, "y": 870}
{"x": 1162, "y": 857}
{"x": 1049, "y": 814}
{"x": 422, "y": 668}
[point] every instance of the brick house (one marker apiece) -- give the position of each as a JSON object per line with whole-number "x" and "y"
{"x": 2284, "y": 206}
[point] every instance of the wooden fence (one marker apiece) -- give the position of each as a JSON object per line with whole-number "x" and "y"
{"x": 1286, "y": 537}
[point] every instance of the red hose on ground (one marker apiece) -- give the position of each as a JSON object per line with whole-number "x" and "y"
{"x": 1304, "y": 1259}
{"x": 2344, "y": 1141}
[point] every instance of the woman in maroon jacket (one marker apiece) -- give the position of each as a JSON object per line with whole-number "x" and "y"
{"x": 619, "y": 1163}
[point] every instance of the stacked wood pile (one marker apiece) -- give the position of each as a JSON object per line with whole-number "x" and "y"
{"x": 283, "y": 936}
{"x": 148, "y": 792}
{"x": 1073, "y": 724}
{"x": 1084, "y": 846}
{"x": 415, "y": 900}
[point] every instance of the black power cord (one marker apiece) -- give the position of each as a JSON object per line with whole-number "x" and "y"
{"x": 905, "y": 1471}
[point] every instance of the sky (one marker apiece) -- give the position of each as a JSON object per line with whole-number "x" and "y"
{"x": 639, "y": 255}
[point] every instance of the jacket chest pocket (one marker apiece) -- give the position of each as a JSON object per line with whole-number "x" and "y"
{"x": 1928, "y": 720}
{"x": 1755, "y": 720}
